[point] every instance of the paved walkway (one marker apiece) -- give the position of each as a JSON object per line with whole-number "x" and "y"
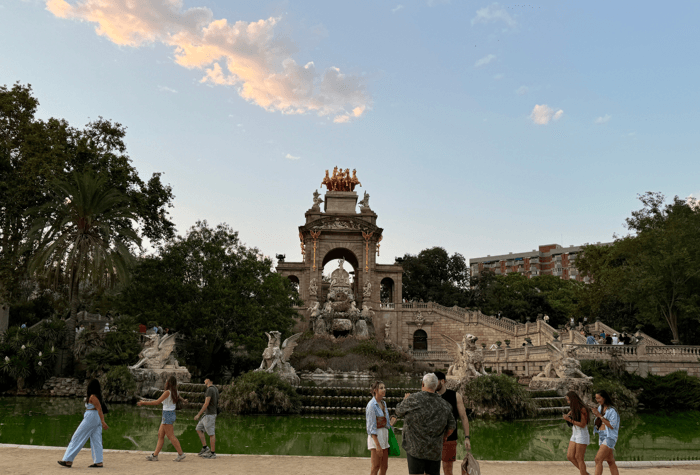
{"x": 25, "y": 459}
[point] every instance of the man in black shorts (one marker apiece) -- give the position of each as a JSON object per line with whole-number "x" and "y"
{"x": 454, "y": 399}
{"x": 428, "y": 421}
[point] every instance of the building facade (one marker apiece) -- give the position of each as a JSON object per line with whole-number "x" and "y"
{"x": 549, "y": 259}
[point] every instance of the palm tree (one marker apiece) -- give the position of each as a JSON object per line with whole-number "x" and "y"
{"x": 85, "y": 228}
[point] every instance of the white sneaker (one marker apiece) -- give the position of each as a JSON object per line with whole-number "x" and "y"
{"x": 204, "y": 451}
{"x": 152, "y": 458}
{"x": 180, "y": 457}
{"x": 209, "y": 455}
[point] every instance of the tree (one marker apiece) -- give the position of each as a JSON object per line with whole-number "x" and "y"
{"x": 435, "y": 276}
{"x": 80, "y": 232}
{"x": 218, "y": 294}
{"x": 34, "y": 152}
{"x": 657, "y": 268}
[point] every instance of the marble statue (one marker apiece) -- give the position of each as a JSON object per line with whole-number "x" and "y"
{"x": 313, "y": 287}
{"x": 468, "y": 361}
{"x": 317, "y": 201}
{"x": 364, "y": 202}
{"x": 157, "y": 363}
{"x": 367, "y": 290}
{"x": 276, "y": 357}
{"x": 563, "y": 373}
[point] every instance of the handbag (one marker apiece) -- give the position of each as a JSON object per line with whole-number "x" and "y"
{"x": 394, "y": 449}
{"x": 470, "y": 466}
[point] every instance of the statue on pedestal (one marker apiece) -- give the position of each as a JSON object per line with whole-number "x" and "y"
{"x": 276, "y": 358}
{"x": 468, "y": 361}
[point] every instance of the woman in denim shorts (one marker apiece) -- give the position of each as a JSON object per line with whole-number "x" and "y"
{"x": 607, "y": 426}
{"x": 169, "y": 399}
{"x": 580, "y": 438}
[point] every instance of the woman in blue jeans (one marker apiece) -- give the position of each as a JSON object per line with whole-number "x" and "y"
{"x": 607, "y": 426}
{"x": 90, "y": 428}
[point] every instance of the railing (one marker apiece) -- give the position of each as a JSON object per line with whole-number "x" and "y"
{"x": 605, "y": 349}
{"x": 387, "y": 306}
{"x": 674, "y": 350}
{"x": 435, "y": 355}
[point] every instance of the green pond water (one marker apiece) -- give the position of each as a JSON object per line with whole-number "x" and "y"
{"x": 51, "y": 422}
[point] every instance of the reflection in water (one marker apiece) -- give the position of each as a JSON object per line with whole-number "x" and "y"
{"x": 42, "y": 421}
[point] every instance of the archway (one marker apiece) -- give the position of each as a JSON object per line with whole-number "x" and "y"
{"x": 420, "y": 340}
{"x": 386, "y": 293}
{"x": 295, "y": 282}
{"x": 330, "y": 263}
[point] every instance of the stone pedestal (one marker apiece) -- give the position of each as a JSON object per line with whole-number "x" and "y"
{"x": 581, "y": 386}
{"x": 147, "y": 378}
{"x": 341, "y": 202}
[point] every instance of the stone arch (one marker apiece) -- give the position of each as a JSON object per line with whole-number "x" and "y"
{"x": 386, "y": 290}
{"x": 420, "y": 340}
{"x": 339, "y": 253}
{"x": 296, "y": 283}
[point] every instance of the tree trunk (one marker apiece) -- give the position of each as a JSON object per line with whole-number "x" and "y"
{"x": 74, "y": 301}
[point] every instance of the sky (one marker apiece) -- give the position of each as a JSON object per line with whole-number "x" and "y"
{"x": 481, "y": 127}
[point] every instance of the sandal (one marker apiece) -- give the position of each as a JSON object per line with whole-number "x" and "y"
{"x": 94, "y": 465}
{"x": 64, "y": 464}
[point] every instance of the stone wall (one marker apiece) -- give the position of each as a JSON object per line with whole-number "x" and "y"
{"x": 65, "y": 387}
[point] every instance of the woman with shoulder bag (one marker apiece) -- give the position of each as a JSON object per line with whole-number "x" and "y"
{"x": 90, "y": 428}
{"x": 170, "y": 400}
{"x": 580, "y": 438}
{"x": 378, "y": 424}
{"x": 607, "y": 426}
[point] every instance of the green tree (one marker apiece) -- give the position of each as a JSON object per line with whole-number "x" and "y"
{"x": 33, "y": 152}
{"x": 656, "y": 269}
{"x": 219, "y": 294}
{"x": 435, "y": 276}
{"x": 79, "y": 232}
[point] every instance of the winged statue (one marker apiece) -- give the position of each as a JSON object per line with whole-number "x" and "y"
{"x": 158, "y": 353}
{"x": 468, "y": 362}
{"x": 276, "y": 356}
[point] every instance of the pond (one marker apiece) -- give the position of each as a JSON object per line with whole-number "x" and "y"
{"x": 51, "y": 422}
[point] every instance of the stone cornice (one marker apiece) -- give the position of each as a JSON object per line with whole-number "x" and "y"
{"x": 342, "y": 224}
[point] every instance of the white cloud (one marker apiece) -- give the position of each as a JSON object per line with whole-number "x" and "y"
{"x": 291, "y": 157}
{"x": 492, "y": 13}
{"x": 397, "y": 8}
{"x": 245, "y": 55}
{"x": 166, "y": 89}
{"x": 603, "y": 119}
{"x": 499, "y": 76}
{"x": 543, "y": 114}
{"x": 522, "y": 90}
{"x": 484, "y": 61}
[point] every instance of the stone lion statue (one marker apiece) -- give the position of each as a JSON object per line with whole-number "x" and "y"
{"x": 468, "y": 361}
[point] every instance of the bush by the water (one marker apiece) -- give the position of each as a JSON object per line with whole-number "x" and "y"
{"x": 674, "y": 392}
{"x": 27, "y": 356}
{"x": 118, "y": 381}
{"x": 259, "y": 392}
{"x": 498, "y": 395}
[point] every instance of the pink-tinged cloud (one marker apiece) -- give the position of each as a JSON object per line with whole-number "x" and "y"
{"x": 246, "y": 55}
{"x": 543, "y": 114}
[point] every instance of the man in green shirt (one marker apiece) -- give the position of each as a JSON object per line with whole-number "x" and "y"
{"x": 208, "y": 422}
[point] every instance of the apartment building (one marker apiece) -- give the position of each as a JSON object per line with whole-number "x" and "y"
{"x": 550, "y": 259}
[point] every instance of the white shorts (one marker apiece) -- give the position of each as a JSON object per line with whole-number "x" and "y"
{"x": 580, "y": 435}
{"x": 382, "y": 436}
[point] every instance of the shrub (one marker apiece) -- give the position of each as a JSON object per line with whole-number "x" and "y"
{"x": 499, "y": 395}
{"x": 674, "y": 392}
{"x": 118, "y": 381}
{"x": 259, "y": 392}
{"x": 624, "y": 400}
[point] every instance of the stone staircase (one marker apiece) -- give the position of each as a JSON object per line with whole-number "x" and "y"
{"x": 340, "y": 400}
{"x": 550, "y": 406}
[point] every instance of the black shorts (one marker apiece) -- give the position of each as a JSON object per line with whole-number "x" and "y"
{"x": 418, "y": 466}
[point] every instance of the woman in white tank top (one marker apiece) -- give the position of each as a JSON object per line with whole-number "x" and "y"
{"x": 169, "y": 399}
{"x": 580, "y": 438}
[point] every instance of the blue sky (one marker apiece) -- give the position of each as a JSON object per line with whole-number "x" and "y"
{"x": 481, "y": 127}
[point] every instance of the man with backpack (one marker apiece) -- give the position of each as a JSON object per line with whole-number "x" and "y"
{"x": 208, "y": 421}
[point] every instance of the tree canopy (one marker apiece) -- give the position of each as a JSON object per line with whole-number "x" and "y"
{"x": 219, "y": 294}
{"x": 34, "y": 152}
{"x": 435, "y": 276}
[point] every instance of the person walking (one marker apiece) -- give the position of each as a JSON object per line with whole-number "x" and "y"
{"x": 454, "y": 399}
{"x": 428, "y": 421}
{"x": 169, "y": 399}
{"x": 590, "y": 339}
{"x": 377, "y": 418}
{"x": 580, "y": 438}
{"x": 90, "y": 428}
{"x": 208, "y": 421}
{"x": 607, "y": 426}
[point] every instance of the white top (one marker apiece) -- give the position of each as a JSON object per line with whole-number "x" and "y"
{"x": 615, "y": 340}
{"x": 168, "y": 404}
